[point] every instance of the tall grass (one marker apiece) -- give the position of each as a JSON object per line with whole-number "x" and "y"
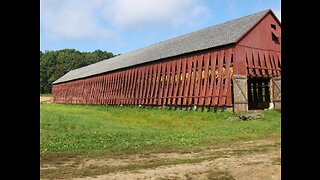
{"x": 89, "y": 129}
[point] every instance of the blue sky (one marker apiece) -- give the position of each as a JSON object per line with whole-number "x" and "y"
{"x": 121, "y": 26}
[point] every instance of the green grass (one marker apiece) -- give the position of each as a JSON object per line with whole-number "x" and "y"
{"x": 46, "y": 95}
{"x": 87, "y": 129}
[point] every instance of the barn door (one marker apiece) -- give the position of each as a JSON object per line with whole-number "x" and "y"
{"x": 258, "y": 93}
{"x": 276, "y": 86}
{"x": 240, "y": 93}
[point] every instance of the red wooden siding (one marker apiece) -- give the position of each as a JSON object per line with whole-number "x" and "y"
{"x": 202, "y": 78}
{"x": 257, "y": 54}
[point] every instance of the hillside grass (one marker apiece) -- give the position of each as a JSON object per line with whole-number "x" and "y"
{"x": 46, "y": 95}
{"x": 94, "y": 129}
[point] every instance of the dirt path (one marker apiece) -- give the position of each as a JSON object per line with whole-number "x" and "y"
{"x": 258, "y": 159}
{"x": 45, "y": 99}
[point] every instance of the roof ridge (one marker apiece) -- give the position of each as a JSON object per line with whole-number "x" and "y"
{"x": 209, "y": 37}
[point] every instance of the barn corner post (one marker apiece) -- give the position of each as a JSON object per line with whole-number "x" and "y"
{"x": 275, "y": 83}
{"x": 239, "y": 80}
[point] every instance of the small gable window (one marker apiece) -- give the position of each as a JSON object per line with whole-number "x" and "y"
{"x": 273, "y": 26}
{"x": 275, "y": 38}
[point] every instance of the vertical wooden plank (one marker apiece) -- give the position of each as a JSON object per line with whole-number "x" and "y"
{"x": 146, "y": 77}
{"x": 214, "y": 71}
{"x": 114, "y": 87}
{"x": 211, "y": 77}
{"x": 204, "y": 79}
{"x": 277, "y": 62}
{"x": 137, "y": 95}
{"x": 229, "y": 95}
{"x": 143, "y": 84}
{"x": 227, "y": 81}
{"x": 222, "y": 80}
{"x": 171, "y": 81}
{"x": 267, "y": 62}
{"x": 218, "y": 78}
{"x": 116, "y": 91}
{"x": 250, "y": 63}
{"x": 129, "y": 78}
{"x": 198, "y": 77}
{"x": 95, "y": 100}
{"x": 256, "y": 62}
{"x": 279, "y": 59}
{"x": 135, "y": 88}
{"x": 162, "y": 80}
{"x": 96, "y": 84}
{"x": 167, "y": 82}
{"x": 103, "y": 90}
{"x": 187, "y": 81}
{"x": 90, "y": 86}
{"x": 176, "y": 81}
{"x": 93, "y": 90}
{"x": 146, "y": 85}
{"x": 107, "y": 89}
{"x": 131, "y": 84}
{"x": 182, "y": 84}
{"x": 122, "y": 85}
{"x": 156, "y": 91}
{"x": 140, "y": 84}
{"x": 149, "y": 81}
{"x": 125, "y": 80}
{"x": 84, "y": 93}
{"x": 93, "y": 83}
{"x": 97, "y": 90}
{"x": 112, "y": 79}
{"x": 273, "y": 62}
{"x": 193, "y": 74}
{"x": 262, "y": 63}
{"x": 100, "y": 89}
{"x": 118, "y": 88}
{"x": 153, "y": 76}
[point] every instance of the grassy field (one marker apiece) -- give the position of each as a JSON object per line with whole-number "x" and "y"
{"x": 92, "y": 130}
{"x": 45, "y": 95}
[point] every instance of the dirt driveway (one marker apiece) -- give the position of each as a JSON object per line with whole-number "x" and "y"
{"x": 45, "y": 99}
{"x": 259, "y": 159}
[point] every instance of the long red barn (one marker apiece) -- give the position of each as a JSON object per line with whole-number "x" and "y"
{"x": 235, "y": 64}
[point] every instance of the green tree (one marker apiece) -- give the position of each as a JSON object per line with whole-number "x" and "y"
{"x": 54, "y": 64}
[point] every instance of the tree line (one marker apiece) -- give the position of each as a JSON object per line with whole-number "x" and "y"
{"x": 54, "y": 64}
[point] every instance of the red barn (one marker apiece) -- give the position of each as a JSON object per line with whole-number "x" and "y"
{"x": 234, "y": 64}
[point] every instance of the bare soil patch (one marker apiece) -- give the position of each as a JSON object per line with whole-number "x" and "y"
{"x": 257, "y": 159}
{"x": 45, "y": 100}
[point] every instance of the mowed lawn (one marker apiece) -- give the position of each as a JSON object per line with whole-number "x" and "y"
{"x": 95, "y": 129}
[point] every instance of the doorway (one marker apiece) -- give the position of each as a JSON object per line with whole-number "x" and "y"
{"x": 258, "y": 93}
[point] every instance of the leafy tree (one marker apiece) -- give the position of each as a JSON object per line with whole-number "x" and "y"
{"x": 54, "y": 64}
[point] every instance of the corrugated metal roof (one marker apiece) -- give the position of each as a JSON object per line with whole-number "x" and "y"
{"x": 214, "y": 36}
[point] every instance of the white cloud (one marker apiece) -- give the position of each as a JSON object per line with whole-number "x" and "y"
{"x": 132, "y": 13}
{"x": 74, "y": 19}
{"x": 71, "y": 19}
